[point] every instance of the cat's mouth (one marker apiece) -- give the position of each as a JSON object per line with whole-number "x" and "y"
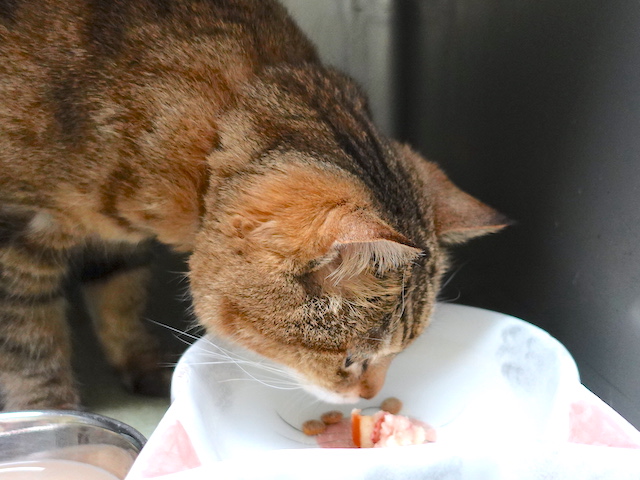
{"x": 350, "y": 396}
{"x": 330, "y": 396}
{"x": 365, "y": 383}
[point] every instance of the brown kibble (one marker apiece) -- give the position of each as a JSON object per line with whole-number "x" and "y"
{"x": 313, "y": 427}
{"x": 391, "y": 405}
{"x": 331, "y": 417}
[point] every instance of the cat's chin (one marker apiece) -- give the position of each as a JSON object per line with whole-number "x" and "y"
{"x": 331, "y": 397}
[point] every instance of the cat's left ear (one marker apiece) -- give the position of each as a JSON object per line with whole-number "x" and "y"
{"x": 458, "y": 216}
{"x": 364, "y": 240}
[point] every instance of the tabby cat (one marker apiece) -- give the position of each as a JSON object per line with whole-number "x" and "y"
{"x": 213, "y": 127}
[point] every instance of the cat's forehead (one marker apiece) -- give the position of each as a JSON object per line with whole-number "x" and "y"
{"x": 386, "y": 338}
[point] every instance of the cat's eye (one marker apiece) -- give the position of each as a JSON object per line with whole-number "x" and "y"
{"x": 352, "y": 360}
{"x": 348, "y": 361}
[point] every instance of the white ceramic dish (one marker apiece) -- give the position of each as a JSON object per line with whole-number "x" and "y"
{"x": 475, "y": 375}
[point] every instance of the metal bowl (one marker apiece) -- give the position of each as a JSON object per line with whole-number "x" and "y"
{"x": 69, "y": 435}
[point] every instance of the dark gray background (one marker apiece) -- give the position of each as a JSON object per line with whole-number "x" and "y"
{"x": 534, "y": 107}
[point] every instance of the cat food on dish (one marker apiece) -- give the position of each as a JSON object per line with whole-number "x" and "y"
{"x": 391, "y": 405}
{"x": 316, "y": 427}
{"x": 331, "y": 417}
{"x": 313, "y": 427}
{"x": 384, "y": 429}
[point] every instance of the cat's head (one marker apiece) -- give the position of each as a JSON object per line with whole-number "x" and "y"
{"x": 299, "y": 261}
{"x": 322, "y": 243}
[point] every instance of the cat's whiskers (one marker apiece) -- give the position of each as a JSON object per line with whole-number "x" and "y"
{"x": 180, "y": 333}
{"x": 373, "y": 339}
{"x": 270, "y": 383}
{"x": 281, "y": 378}
{"x": 451, "y": 274}
{"x": 278, "y": 381}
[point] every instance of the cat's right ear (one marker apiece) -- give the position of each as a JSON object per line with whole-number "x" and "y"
{"x": 301, "y": 215}
{"x": 458, "y": 216}
{"x": 364, "y": 241}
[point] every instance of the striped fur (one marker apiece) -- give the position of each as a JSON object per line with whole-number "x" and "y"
{"x": 210, "y": 126}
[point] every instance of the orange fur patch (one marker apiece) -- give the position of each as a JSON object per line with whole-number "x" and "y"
{"x": 297, "y": 211}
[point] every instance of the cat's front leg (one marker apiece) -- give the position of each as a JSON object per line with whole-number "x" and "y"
{"x": 116, "y": 302}
{"x": 35, "y": 351}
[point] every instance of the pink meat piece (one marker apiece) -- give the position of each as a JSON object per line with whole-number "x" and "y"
{"x": 388, "y": 430}
{"x": 397, "y": 430}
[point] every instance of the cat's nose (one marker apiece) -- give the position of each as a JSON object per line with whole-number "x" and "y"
{"x": 368, "y": 393}
{"x": 373, "y": 379}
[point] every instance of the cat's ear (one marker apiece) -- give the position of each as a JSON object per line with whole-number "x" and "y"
{"x": 363, "y": 240}
{"x": 301, "y": 215}
{"x": 458, "y": 216}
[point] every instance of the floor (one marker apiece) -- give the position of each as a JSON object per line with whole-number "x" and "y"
{"x": 100, "y": 388}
